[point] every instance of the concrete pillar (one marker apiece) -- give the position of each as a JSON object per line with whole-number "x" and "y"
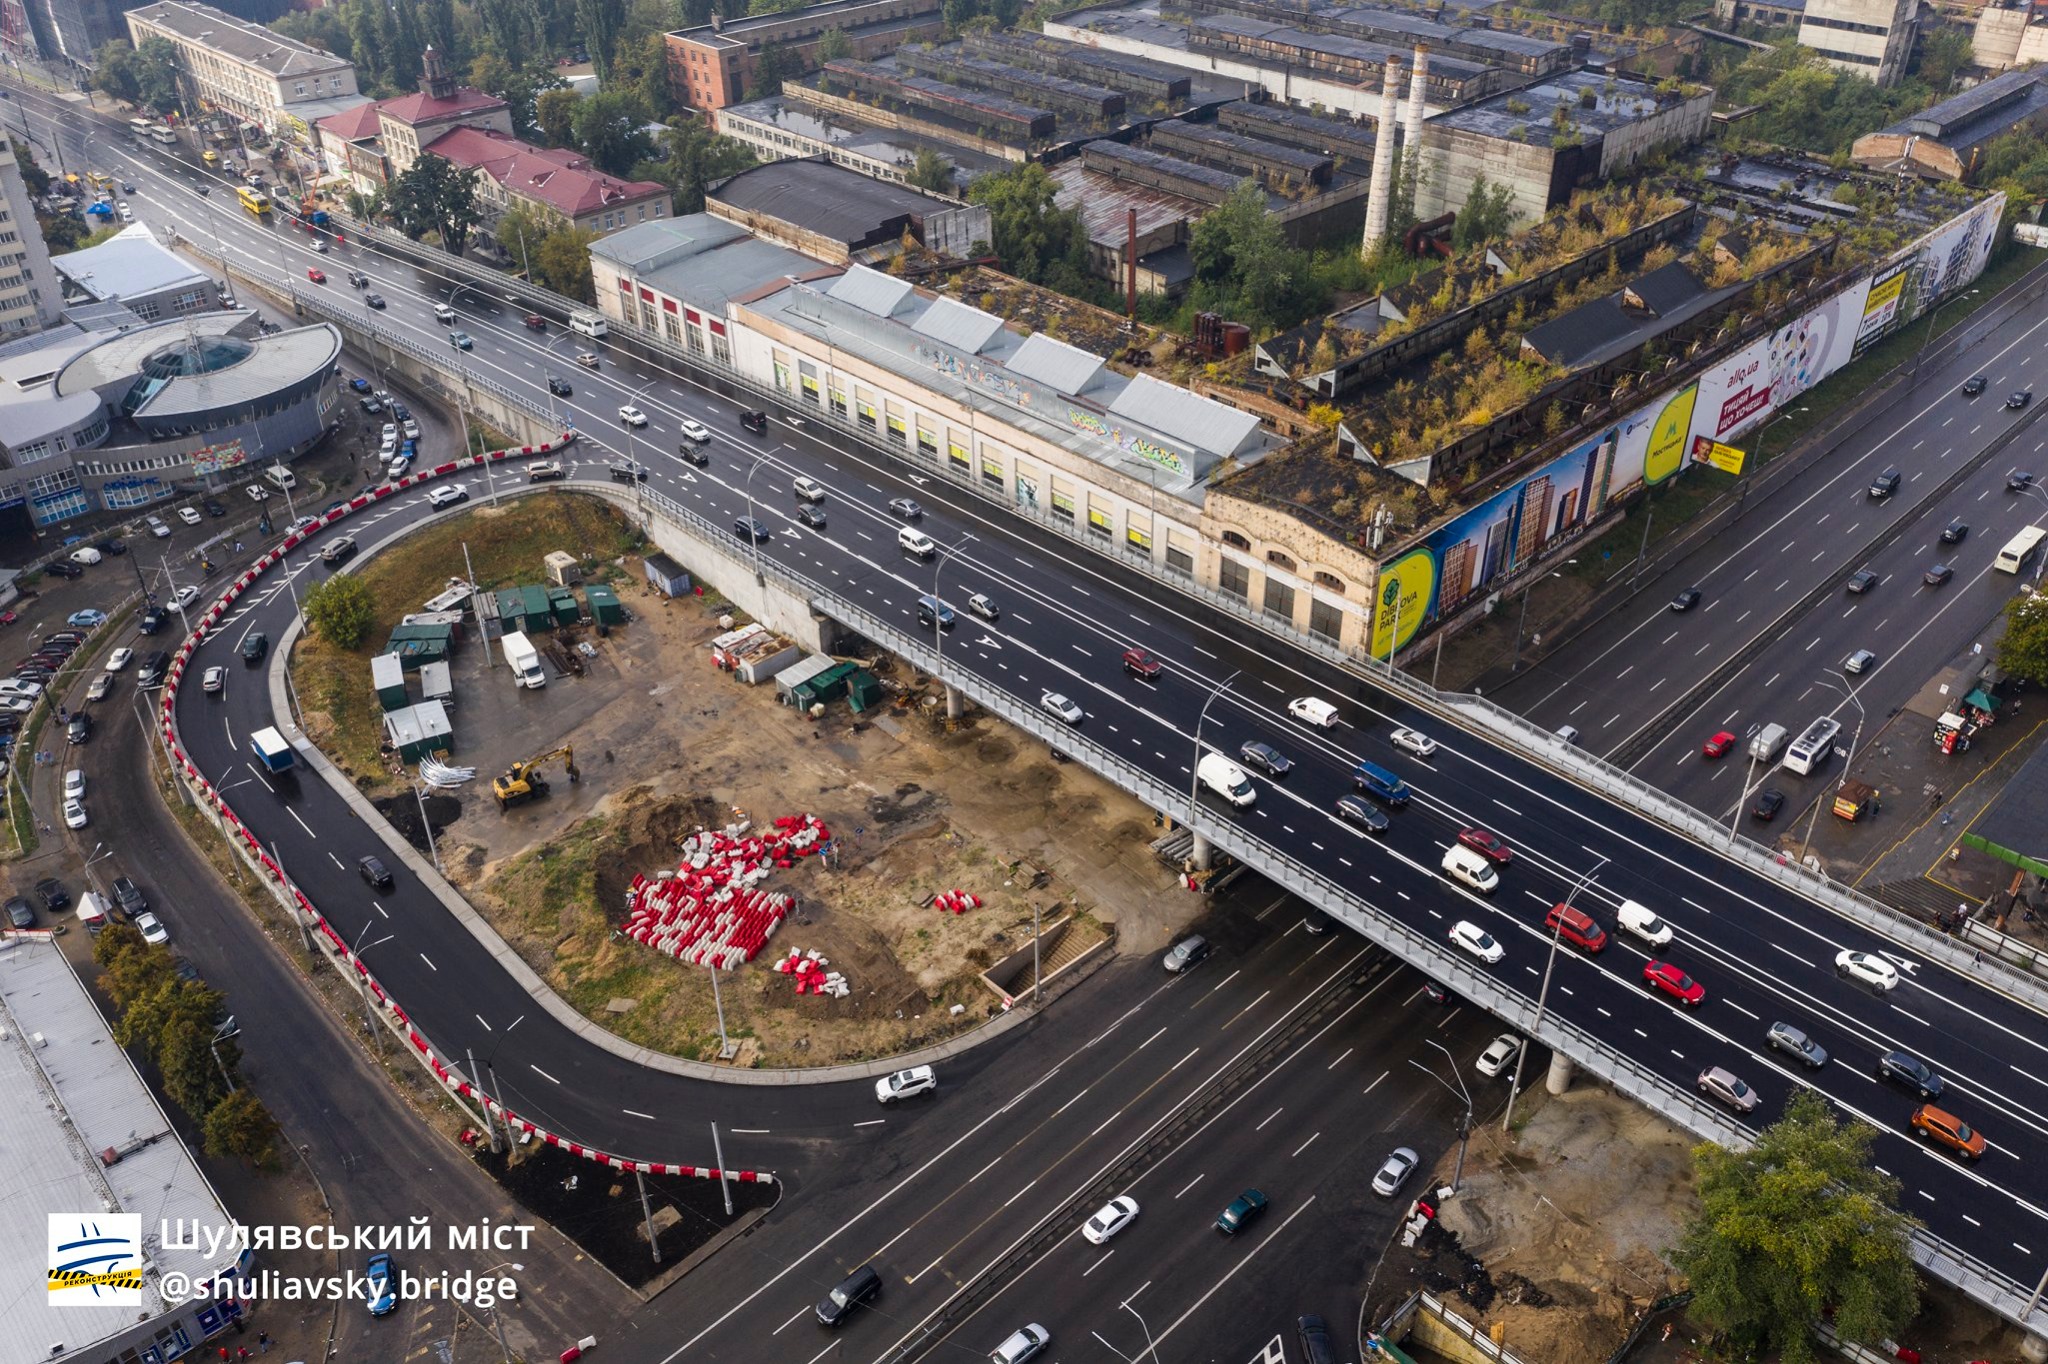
{"x": 1204, "y": 852}
{"x": 1377, "y": 205}
{"x": 955, "y": 703}
{"x": 1560, "y": 1077}
{"x": 2034, "y": 1349}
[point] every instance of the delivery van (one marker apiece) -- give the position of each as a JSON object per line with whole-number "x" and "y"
{"x": 1764, "y": 747}
{"x": 1463, "y": 865}
{"x": 1226, "y": 779}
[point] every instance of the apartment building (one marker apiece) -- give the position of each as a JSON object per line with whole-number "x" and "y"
{"x": 711, "y": 66}
{"x": 30, "y": 298}
{"x": 245, "y": 69}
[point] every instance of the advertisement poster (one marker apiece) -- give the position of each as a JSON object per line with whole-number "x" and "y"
{"x": 217, "y": 459}
{"x": 1881, "y": 310}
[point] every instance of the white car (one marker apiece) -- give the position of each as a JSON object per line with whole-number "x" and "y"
{"x": 1866, "y": 969}
{"x": 152, "y": 929}
{"x": 189, "y": 515}
{"x": 1116, "y": 1214}
{"x": 127, "y": 215}
{"x": 1500, "y": 1053}
{"x": 19, "y": 705}
{"x": 20, "y": 686}
{"x": 411, "y": 428}
{"x": 215, "y": 679}
{"x": 74, "y": 784}
{"x": 398, "y": 468}
{"x": 1413, "y": 741}
{"x": 1060, "y": 708}
{"x": 1642, "y": 921}
{"x": 156, "y": 526}
{"x": 257, "y": 492}
{"x": 1477, "y": 941}
{"x": 1394, "y": 1171}
{"x": 448, "y": 496}
{"x": 1313, "y": 710}
{"x": 632, "y": 416}
{"x": 696, "y": 430}
{"x": 85, "y": 554}
{"x": 101, "y": 685}
{"x": 186, "y": 595}
{"x": 443, "y": 313}
{"x": 302, "y": 523}
{"x": 74, "y": 814}
{"x": 119, "y": 659}
{"x": 906, "y": 1083}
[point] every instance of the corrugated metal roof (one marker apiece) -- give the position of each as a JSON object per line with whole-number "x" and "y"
{"x": 871, "y": 291}
{"x": 1057, "y": 365}
{"x": 954, "y": 324}
{"x": 1192, "y": 420}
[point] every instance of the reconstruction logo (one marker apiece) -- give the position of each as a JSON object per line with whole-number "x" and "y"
{"x": 95, "y": 1259}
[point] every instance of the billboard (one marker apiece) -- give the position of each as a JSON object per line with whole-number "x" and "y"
{"x": 218, "y": 459}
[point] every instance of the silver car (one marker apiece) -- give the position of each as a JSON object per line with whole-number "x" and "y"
{"x": 1059, "y": 707}
{"x": 1719, "y": 1083}
{"x": 1794, "y": 1041}
{"x": 1186, "y": 953}
{"x": 1394, "y": 1171}
{"x": 1022, "y": 1344}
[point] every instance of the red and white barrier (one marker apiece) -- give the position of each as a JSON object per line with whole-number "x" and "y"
{"x": 710, "y": 911}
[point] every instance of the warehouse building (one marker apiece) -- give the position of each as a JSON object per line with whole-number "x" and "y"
{"x": 835, "y": 215}
{"x": 712, "y": 65}
{"x": 777, "y": 129}
{"x": 674, "y": 278}
{"x": 1947, "y": 141}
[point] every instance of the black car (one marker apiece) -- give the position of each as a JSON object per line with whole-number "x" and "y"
{"x": 811, "y": 515}
{"x": 20, "y": 913}
{"x": 1266, "y": 758}
{"x": 1315, "y": 922}
{"x": 128, "y": 898}
{"x": 628, "y": 471}
{"x": 1315, "y": 1340}
{"x": 151, "y": 673}
{"x": 1769, "y": 801}
{"x": 374, "y": 301}
{"x": 114, "y": 547}
{"x": 1910, "y": 1072}
{"x": 1435, "y": 993}
{"x": 64, "y": 568}
{"x": 254, "y": 647}
{"x": 750, "y": 528}
{"x": 858, "y": 1289}
{"x": 2018, "y": 481}
{"x": 1937, "y": 575}
{"x": 1974, "y": 385}
{"x": 1885, "y": 484}
{"x": 1861, "y": 581}
{"x": 1362, "y": 812}
{"x": 79, "y": 730}
{"x": 1954, "y": 531}
{"x": 2020, "y": 399}
{"x": 358, "y": 279}
{"x": 53, "y": 894}
{"x": 375, "y": 872}
{"x": 692, "y": 453}
{"x": 1686, "y": 600}
{"x": 213, "y": 508}
{"x": 560, "y": 387}
{"x": 754, "y": 420}
{"x": 152, "y": 620}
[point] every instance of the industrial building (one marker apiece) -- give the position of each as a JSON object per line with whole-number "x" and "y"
{"x": 1947, "y": 141}
{"x": 675, "y": 278}
{"x": 778, "y": 129}
{"x": 1869, "y": 38}
{"x": 835, "y": 215}
{"x": 712, "y": 65}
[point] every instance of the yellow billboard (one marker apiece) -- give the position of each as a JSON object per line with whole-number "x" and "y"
{"x": 1726, "y": 458}
{"x": 1407, "y": 587}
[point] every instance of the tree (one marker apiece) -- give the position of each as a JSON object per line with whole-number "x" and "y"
{"x": 62, "y": 234}
{"x": 1035, "y": 238}
{"x": 520, "y": 230}
{"x": 833, "y": 44}
{"x": 554, "y": 113}
{"x": 1944, "y": 53}
{"x": 1243, "y": 265}
{"x": 774, "y": 66}
{"x": 436, "y": 196}
{"x": 240, "y": 1126}
{"x": 598, "y": 23}
{"x": 437, "y": 21}
{"x": 1488, "y": 213}
{"x": 130, "y": 968}
{"x": 2023, "y": 649}
{"x": 341, "y": 610}
{"x": 562, "y": 263}
{"x": 516, "y": 30}
{"x": 1797, "y": 1226}
{"x": 326, "y": 29}
{"x": 608, "y": 129}
{"x": 931, "y": 171}
{"x": 34, "y": 176}
{"x": 696, "y": 158}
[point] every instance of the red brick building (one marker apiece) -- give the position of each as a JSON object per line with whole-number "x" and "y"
{"x": 711, "y": 66}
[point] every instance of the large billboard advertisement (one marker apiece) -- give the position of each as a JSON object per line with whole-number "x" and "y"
{"x": 219, "y": 459}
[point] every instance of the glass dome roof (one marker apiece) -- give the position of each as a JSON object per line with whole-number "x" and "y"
{"x": 196, "y": 355}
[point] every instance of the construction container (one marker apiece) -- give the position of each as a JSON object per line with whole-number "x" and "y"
{"x": 799, "y": 675}
{"x": 418, "y": 730}
{"x": 562, "y": 568}
{"x": 437, "y": 683}
{"x": 828, "y": 685}
{"x": 864, "y": 690}
{"x": 604, "y": 605}
{"x": 387, "y": 678}
{"x": 670, "y": 578}
{"x": 563, "y": 607}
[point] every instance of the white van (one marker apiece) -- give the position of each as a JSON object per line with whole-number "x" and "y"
{"x": 915, "y": 541}
{"x": 1226, "y": 779}
{"x": 1643, "y": 922}
{"x": 587, "y": 323}
{"x": 281, "y": 476}
{"x": 1462, "y": 864}
{"x": 1764, "y": 747}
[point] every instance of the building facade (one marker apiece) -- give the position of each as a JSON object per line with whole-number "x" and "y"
{"x": 241, "y": 68}
{"x": 713, "y": 65}
{"x": 29, "y": 295}
{"x": 1868, "y": 38}
{"x": 557, "y": 185}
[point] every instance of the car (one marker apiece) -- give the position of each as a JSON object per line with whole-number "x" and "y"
{"x": 380, "y": 1284}
{"x": 320, "y": 248}
{"x": 20, "y": 913}
{"x": 907, "y": 508}
{"x": 128, "y": 897}
{"x": 1719, "y": 1083}
{"x": 1356, "y": 809}
{"x": 63, "y": 568}
{"x": 1885, "y": 484}
{"x": 1060, "y": 708}
{"x": 1315, "y": 922}
{"x": 212, "y": 508}
{"x": 316, "y": 274}
{"x": 1938, "y": 574}
{"x": 694, "y": 430}
{"x": 15, "y": 686}
{"x": 811, "y": 515}
{"x": 1413, "y": 741}
{"x": 857, "y": 1289}
{"x": 1718, "y": 745}
{"x": 79, "y": 729}
{"x": 1143, "y": 664}
{"x": 536, "y": 323}
{"x": 254, "y": 647}
{"x": 2018, "y": 481}
{"x": 1268, "y": 759}
{"x": 74, "y": 814}
{"x": 119, "y": 659}
{"x": 189, "y": 515}
{"x": 1954, "y": 531}
{"x": 461, "y": 340}
{"x": 2016, "y": 401}
{"x": 1867, "y": 968}
{"x": 1974, "y": 385}
{"x": 372, "y": 869}
{"x": 693, "y": 454}
{"x": 1795, "y": 1043}
{"x": 1909, "y": 1071}
{"x": 357, "y": 279}
{"x": 627, "y": 471}
{"x": 1860, "y": 661}
{"x": 257, "y": 492}
{"x": 807, "y": 489}
{"x": 116, "y": 547}
{"x": 152, "y": 929}
{"x": 1186, "y": 954}
{"x": 85, "y": 555}
{"x": 545, "y": 471}
{"x": 632, "y": 416}
{"x": 1020, "y": 1345}
{"x": 1500, "y": 1053}
{"x": 751, "y": 528}
{"x": 184, "y": 597}
{"x": 88, "y": 619}
{"x": 443, "y": 313}
{"x": 185, "y": 970}
{"x": 1394, "y": 1171}
{"x": 1943, "y": 1128}
{"x": 1861, "y": 581}
{"x": 1112, "y": 1218}
{"x": 101, "y": 685}
{"x": 1241, "y": 1213}
{"x": 1686, "y": 600}
{"x": 1769, "y": 801}
{"x": 374, "y": 301}
{"x": 1313, "y": 710}
{"x": 587, "y": 359}
{"x": 127, "y": 189}
{"x": 1664, "y": 978}
{"x": 1477, "y": 941}
{"x": 153, "y": 620}
{"x": 447, "y": 497}
{"x": 906, "y": 1084}
{"x": 52, "y": 893}
{"x": 125, "y": 213}
{"x": 1487, "y": 845}
{"x": 214, "y": 681}
{"x": 157, "y": 526}
{"x": 560, "y": 387}
{"x": 1314, "y": 1333}
{"x": 983, "y": 605}
{"x": 398, "y": 468}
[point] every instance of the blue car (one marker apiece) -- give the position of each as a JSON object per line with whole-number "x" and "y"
{"x": 87, "y": 619}
{"x": 383, "y": 1285}
{"x": 359, "y": 385}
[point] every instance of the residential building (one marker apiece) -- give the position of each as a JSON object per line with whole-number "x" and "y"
{"x": 713, "y": 65}
{"x": 1947, "y": 141}
{"x": 29, "y": 297}
{"x": 1868, "y": 38}
{"x": 409, "y": 122}
{"x": 244, "y": 69}
{"x": 551, "y": 182}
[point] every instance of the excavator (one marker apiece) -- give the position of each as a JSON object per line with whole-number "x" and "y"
{"x": 523, "y": 782}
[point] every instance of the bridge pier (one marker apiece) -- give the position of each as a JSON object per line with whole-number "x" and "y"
{"x": 954, "y": 702}
{"x": 1560, "y": 1077}
{"x": 1202, "y": 853}
{"x": 2034, "y": 1349}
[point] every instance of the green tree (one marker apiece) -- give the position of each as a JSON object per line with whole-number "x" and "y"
{"x": 62, "y": 234}
{"x": 608, "y": 129}
{"x": 1797, "y": 1226}
{"x": 438, "y": 26}
{"x": 554, "y": 112}
{"x": 521, "y": 230}
{"x": 34, "y": 176}
{"x": 771, "y": 68}
{"x": 341, "y": 610}
{"x": 240, "y": 1127}
{"x": 325, "y": 28}
{"x": 435, "y": 196}
{"x": 1035, "y": 238}
{"x": 1944, "y": 53}
{"x": 1488, "y": 213}
{"x": 515, "y": 30}
{"x": 113, "y": 71}
{"x": 695, "y": 158}
{"x": 598, "y": 23}
{"x": 1243, "y": 265}
{"x": 930, "y": 171}
{"x": 2023, "y": 648}
{"x": 130, "y": 969}
{"x": 562, "y": 263}
{"x": 409, "y": 42}
{"x": 833, "y": 44}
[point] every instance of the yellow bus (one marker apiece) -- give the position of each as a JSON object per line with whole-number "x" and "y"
{"x": 252, "y": 201}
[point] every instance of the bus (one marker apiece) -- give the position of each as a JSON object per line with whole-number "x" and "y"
{"x": 1811, "y": 749}
{"x": 252, "y": 200}
{"x": 2020, "y": 550}
{"x": 140, "y": 127}
{"x": 160, "y": 133}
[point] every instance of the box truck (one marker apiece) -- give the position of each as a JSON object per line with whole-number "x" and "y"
{"x": 524, "y": 659}
{"x": 271, "y": 750}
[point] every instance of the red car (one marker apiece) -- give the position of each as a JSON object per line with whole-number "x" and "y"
{"x": 1139, "y": 663}
{"x": 535, "y": 322}
{"x": 1663, "y": 976}
{"x": 1488, "y": 846}
{"x": 1717, "y": 746}
{"x": 316, "y": 274}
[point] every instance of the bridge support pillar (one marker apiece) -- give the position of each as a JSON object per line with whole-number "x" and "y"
{"x": 954, "y": 702}
{"x": 1201, "y": 854}
{"x": 1560, "y": 1077}
{"x": 2034, "y": 1349}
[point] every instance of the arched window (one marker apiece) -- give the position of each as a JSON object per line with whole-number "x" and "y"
{"x": 1279, "y": 560}
{"x": 1329, "y": 580}
{"x": 1236, "y": 541}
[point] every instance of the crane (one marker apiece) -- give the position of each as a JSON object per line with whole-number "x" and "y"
{"x": 523, "y": 782}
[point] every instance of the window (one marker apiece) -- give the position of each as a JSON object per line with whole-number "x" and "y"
{"x": 1178, "y": 559}
{"x": 1236, "y": 541}
{"x": 1329, "y": 580}
{"x": 1027, "y": 488}
{"x": 1062, "y": 502}
{"x": 956, "y": 453}
{"x": 1099, "y": 519}
{"x": 33, "y": 451}
{"x": 1279, "y": 599}
{"x": 1279, "y": 560}
{"x": 1325, "y": 620}
{"x": 838, "y": 397}
{"x": 927, "y": 443}
{"x": 1235, "y": 579}
{"x": 1138, "y": 538}
{"x": 672, "y": 328}
{"x": 721, "y": 349}
{"x": 991, "y": 469}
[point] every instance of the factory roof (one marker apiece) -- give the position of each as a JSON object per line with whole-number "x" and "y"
{"x": 1528, "y": 114}
{"x": 700, "y": 258}
{"x": 1105, "y": 202}
{"x": 1622, "y": 320}
{"x": 817, "y": 196}
{"x": 892, "y": 145}
{"x": 1442, "y": 67}
{"x": 1980, "y": 113}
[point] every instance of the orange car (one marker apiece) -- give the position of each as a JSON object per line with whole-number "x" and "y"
{"x": 1946, "y": 1129}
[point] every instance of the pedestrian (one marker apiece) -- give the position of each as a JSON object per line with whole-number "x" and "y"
{"x": 263, "y": 1342}
{"x": 223, "y": 1354}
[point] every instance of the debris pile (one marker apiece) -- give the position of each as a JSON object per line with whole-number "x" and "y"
{"x": 711, "y": 911}
{"x": 808, "y": 966}
{"x": 956, "y": 901}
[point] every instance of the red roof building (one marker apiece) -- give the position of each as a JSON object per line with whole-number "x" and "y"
{"x": 551, "y": 182}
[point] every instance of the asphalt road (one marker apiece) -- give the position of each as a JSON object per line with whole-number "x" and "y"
{"x": 1761, "y": 952}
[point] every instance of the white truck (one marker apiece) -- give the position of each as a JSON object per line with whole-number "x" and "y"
{"x": 524, "y": 659}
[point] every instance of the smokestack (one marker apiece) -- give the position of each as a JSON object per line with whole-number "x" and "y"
{"x": 1418, "y": 84}
{"x": 1131, "y": 265}
{"x": 1376, "y": 207}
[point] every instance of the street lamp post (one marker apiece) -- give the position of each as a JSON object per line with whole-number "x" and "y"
{"x": 1195, "y": 781}
{"x": 504, "y": 1354}
{"x": 754, "y": 539}
{"x": 1928, "y": 340}
{"x": 1813, "y": 822}
{"x": 938, "y": 623}
{"x": 1528, "y": 592}
{"x": 1543, "y": 995}
{"x": 1742, "y": 485}
{"x": 632, "y": 455}
{"x": 419, "y": 794}
{"x": 363, "y": 980}
{"x": 1151, "y": 1347}
{"x": 1465, "y": 1126}
{"x": 226, "y": 1030}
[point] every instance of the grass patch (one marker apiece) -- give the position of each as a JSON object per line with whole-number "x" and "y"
{"x": 485, "y": 437}
{"x": 506, "y": 545}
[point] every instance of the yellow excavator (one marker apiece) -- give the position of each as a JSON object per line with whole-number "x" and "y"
{"x": 523, "y": 782}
